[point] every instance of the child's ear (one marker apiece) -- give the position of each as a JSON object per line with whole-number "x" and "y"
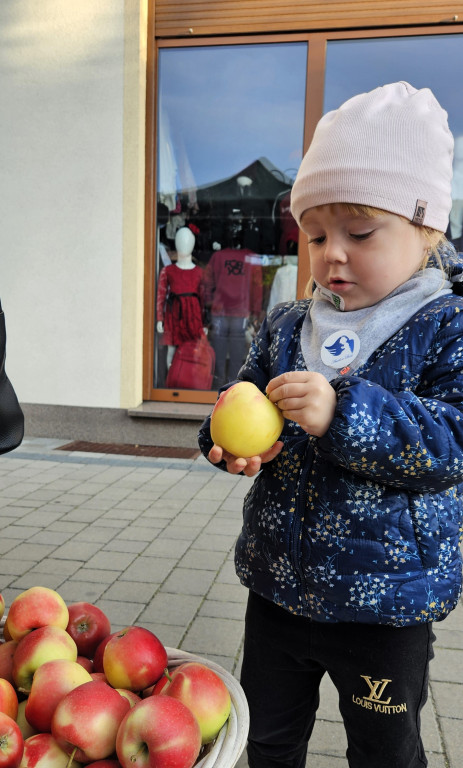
{"x": 431, "y": 239}
{"x": 434, "y": 237}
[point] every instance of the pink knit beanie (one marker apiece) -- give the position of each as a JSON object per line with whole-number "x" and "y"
{"x": 390, "y": 148}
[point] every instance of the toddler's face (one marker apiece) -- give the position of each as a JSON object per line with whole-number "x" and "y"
{"x": 361, "y": 259}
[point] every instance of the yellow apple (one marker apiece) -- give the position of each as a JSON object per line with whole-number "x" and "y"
{"x": 244, "y": 422}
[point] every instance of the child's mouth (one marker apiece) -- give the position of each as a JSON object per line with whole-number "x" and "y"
{"x": 336, "y": 284}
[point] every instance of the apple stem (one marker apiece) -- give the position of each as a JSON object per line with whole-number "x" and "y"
{"x": 133, "y": 758}
{"x": 71, "y": 757}
{"x": 166, "y": 672}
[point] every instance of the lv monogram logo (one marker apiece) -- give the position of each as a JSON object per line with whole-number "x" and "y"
{"x": 376, "y": 689}
{"x": 374, "y": 701}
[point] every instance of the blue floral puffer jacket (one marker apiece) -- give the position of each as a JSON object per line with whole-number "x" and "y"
{"x": 364, "y": 523}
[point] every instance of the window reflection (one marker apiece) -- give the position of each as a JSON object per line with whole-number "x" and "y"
{"x": 355, "y": 66}
{"x": 456, "y": 214}
{"x": 230, "y": 132}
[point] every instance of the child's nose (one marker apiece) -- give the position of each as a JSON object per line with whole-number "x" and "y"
{"x": 334, "y": 251}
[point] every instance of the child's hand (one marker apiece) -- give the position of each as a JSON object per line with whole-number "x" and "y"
{"x": 305, "y": 397}
{"x": 249, "y": 467}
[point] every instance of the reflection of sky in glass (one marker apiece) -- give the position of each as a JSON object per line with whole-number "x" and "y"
{"x": 435, "y": 62}
{"x": 230, "y": 105}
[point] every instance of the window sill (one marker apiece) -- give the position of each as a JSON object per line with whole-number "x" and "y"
{"x": 178, "y": 411}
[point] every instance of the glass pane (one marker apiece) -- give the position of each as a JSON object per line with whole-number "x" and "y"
{"x": 435, "y": 62}
{"x": 230, "y": 137}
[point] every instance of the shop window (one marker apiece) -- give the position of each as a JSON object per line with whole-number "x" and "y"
{"x": 230, "y": 139}
{"x": 431, "y": 61}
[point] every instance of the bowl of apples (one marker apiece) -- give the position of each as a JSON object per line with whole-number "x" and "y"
{"x": 226, "y": 748}
{"x": 83, "y": 694}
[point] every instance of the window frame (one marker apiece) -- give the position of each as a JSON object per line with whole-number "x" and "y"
{"x": 317, "y": 43}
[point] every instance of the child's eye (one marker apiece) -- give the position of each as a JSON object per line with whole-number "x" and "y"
{"x": 362, "y": 235}
{"x": 317, "y": 240}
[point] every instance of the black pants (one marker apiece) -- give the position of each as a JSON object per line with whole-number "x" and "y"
{"x": 380, "y": 672}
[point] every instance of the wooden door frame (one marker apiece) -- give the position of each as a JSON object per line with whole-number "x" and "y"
{"x": 315, "y": 77}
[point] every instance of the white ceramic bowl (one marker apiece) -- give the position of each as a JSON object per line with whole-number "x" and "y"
{"x": 227, "y": 748}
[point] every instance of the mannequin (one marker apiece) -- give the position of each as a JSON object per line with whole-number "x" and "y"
{"x": 184, "y": 245}
{"x": 233, "y": 290}
{"x": 180, "y": 296}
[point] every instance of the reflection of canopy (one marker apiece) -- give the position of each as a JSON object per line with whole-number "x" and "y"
{"x": 247, "y": 216}
{"x": 267, "y": 183}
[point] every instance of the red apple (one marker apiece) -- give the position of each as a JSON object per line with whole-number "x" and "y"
{"x": 36, "y": 607}
{"x": 88, "y": 626}
{"x": 51, "y": 682}
{"x": 98, "y": 655}
{"x": 11, "y": 742}
{"x": 2, "y": 606}
{"x": 24, "y": 726}
{"x": 160, "y": 685}
{"x": 86, "y": 721}
{"x": 7, "y": 651}
{"x": 205, "y": 693}
{"x": 42, "y": 751}
{"x": 99, "y": 676}
{"x": 8, "y": 699}
{"x": 104, "y": 764}
{"x": 85, "y": 663}
{"x": 159, "y": 732}
{"x": 37, "y": 647}
{"x": 134, "y": 658}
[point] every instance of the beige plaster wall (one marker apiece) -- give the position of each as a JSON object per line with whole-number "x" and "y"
{"x": 71, "y": 186}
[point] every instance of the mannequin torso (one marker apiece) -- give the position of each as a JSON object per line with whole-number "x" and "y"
{"x": 180, "y": 296}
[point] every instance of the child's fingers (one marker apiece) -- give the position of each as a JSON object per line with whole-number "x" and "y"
{"x": 235, "y": 466}
{"x": 253, "y": 466}
{"x": 234, "y": 463}
{"x": 290, "y": 377}
{"x": 286, "y": 392}
{"x": 272, "y": 452}
{"x": 215, "y": 455}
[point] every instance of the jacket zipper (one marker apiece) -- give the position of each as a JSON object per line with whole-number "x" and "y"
{"x": 299, "y": 517}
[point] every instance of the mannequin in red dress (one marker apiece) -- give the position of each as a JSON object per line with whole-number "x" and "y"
{"x": 180, "y": 296}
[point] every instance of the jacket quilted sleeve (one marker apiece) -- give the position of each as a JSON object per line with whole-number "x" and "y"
{"x": 409, "y": 437}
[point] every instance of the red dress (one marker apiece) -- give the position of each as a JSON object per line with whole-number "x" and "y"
{"x": 180, "y": 303}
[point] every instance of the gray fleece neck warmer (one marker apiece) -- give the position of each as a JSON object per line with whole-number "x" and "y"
{"x": 337, "y": 343}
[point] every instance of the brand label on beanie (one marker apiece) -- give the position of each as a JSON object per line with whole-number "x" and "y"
{"x": 420, "y": 211}
{"x": 340, "y": 348}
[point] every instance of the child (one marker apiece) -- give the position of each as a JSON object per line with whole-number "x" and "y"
{"x": 350, "y": 539}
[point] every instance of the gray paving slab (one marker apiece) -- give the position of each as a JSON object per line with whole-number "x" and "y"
{"x": 188, "y": 581}
{"x": 94, "y": 575}
{"x": 150, "y": 541}
{"x": 203, "y": 559}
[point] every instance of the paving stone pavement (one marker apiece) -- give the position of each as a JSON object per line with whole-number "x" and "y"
{"x": 151, "y": 541}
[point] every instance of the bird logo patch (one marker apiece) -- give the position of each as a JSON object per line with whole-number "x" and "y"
{"x": 340, "y": 349}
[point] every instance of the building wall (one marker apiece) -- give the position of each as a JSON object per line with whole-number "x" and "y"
{"x": 71, "y": 185}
